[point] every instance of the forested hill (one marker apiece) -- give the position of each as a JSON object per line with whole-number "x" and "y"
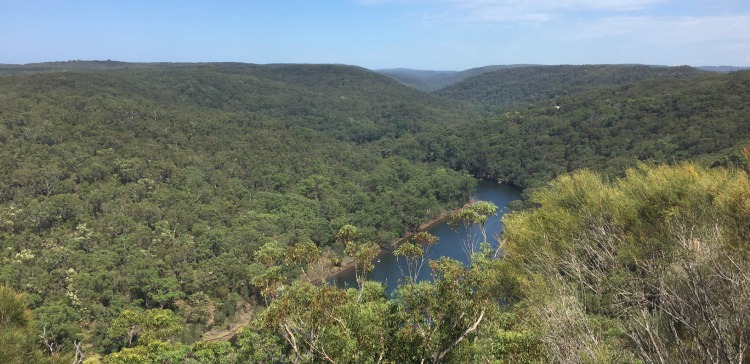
{"x": 429, "y": 81}
{"x": 664, "y": 120}
{"x": 74, "y": 66}
{"x": 723, "y": 69}
{"x": 424, "y": 80}
{"x": 345, "y": 102}
{"x": 151, "y": 188}
{"x": 504, "y": 88}
{"x": 144, "y": 204}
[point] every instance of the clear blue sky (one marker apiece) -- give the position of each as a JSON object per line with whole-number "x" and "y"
{"x": 423, "y": 34}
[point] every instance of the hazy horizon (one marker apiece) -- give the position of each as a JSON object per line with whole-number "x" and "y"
{"x": 372, "y": 69}
{"x": 380, "y": 34}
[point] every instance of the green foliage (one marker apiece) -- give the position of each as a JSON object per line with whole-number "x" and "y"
{"x": 59, "y": 324}
{"x": 415, "y": 253}
{"x": 15, "y": 327}
{"x": 459, "y": 317}
{"x": 19, "y": 342}
{"x": 502, "y": 89}
{"x": 329, "y": 324}
{"x": 257, "y": 345}
{"x": 691, "y": 116}
{"x": 467, "y": 219}
{"x": 157, "y": 352}
{"x": 362, "y": 254}
{"x": 651, "y": 266}
{"x": 302, "y": 255}
{"x": 14, "y": 315}
{"x": 141, "y": 327}
{"x": 140, "y": 186}
{"x": 155, "y": 196}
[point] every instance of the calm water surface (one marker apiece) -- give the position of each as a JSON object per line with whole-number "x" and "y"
{"x": 387, "y": 268}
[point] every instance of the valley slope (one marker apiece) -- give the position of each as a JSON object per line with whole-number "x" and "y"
{"x": 168, "y": 195}
{"x": 677, "y": 114}
{"x": 153, "y": 186}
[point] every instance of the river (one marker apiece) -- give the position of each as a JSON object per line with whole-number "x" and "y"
{"x": 387, "y": 269}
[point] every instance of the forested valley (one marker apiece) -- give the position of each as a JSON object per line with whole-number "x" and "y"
{"x": 151, "y": 212}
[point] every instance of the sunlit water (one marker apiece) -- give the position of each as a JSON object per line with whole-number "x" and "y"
{"x": 388, "y": 269}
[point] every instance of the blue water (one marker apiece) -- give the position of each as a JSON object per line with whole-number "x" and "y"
{"x": 388, "y": 270}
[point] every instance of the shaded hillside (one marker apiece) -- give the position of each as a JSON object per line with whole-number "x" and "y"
{"x": 146, "y": 189}
{"x": 429, "y": 81}
{"x": 664, "y": 120}
{"x": 520, "y": 86}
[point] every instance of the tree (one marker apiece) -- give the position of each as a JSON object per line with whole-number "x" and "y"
{"x": 266, "y": 273}
{"x": 258, "y": 345}
{"x": 15, "y": 328}
{"x": 141, "y": 327}
{"x": 302, "y": 255}
{"x": 362, "y": 254}
{"x": 58, "y": 323}
{"x": 158, "y": 352}
{"x": 18, "y": 342}
{"x": 437, "y": 318}
{"x": 328, "y": 324}
{"x": 416, "y": 253}
{"x": 464, "y": 221}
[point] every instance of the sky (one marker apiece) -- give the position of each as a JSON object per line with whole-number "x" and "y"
{"x": 377, "y": 34}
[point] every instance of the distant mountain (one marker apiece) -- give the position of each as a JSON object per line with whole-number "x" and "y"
{"x": 75, "y": 66}
{"x": 723, "y": 69}
{"x": 420, "y": 79}
{"x": 429, "y": 81}
{"x": 509, "y": 87}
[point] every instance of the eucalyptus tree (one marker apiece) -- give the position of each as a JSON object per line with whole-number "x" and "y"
{"x": 415, "y": 252}
{"x": 467, "y": 219}
{"x": 362, "y": 253}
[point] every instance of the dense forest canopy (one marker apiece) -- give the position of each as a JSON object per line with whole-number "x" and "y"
{"x": 482, "y": 89}
{"x": 505, "y": 88}
{"x": 663, "y": 119}
{"x": 142, "y": 205}
{"x": 153, "y": 188}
